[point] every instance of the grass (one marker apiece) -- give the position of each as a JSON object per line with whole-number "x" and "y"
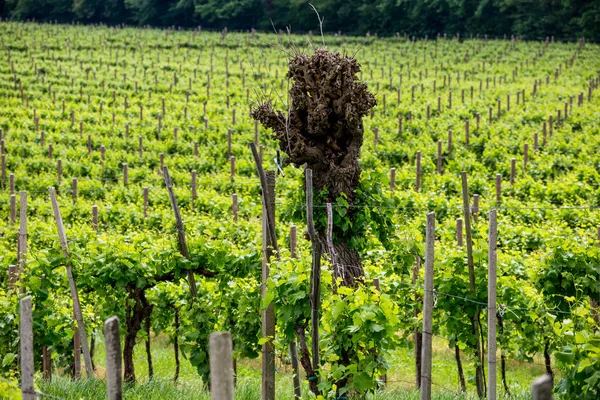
{"x": 400, "y": 378}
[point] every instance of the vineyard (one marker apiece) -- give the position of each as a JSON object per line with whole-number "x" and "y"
{"x": 138, "y": 181}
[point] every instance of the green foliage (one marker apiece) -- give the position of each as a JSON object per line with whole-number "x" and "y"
{"x": 360, "y": 326}
{"x": 581, "y": 361}
{"x": 548, "y": 255}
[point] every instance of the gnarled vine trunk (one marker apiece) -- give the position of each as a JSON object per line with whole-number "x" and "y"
{"x": 136, "y": 314}
{"x": 323, "y": 129}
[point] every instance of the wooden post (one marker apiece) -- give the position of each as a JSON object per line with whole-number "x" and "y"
{"x": 513, "y": 170}
{"x": 470, "y": 264}
{"x": 293, "y": 348}
{"x": 95, "y": 218}
{"x": 267, "y": 205}
{"x": 392, "y": 178}
{"x": 194, "y": 188}
{"x": 74, "y": 189}
{"x": 26, "y": 349}
{"x": 475, "y": 208}
{"x": 315, "y": 283}
{"x": 125, "y": 174}
{"x": 492, "y": 256}
{"x": 114, "y": 365}
{"x": 75, "y": 296}
{"x": 439, "y": 157}
{"x": 76, "y": 354}
{"x": 459, "y": 231}
{"x": 183, "y": 249}
{"x": 46, "y": 364}
{"x": 22, "y": 255}
{"x": 59, "y": 173}
{"x": 255, "y": 132}
{"x": 12, "y": 276}
{"x": 329, "y": 240}
{"x": 221, "y": 366}
{"x": 541, "y": 388}
{"x": 400, "y": 127}
{"x": 234, "y": 206}
{"x": 467, "y": 219}
{"x": 232, "y": 166}
{"x": 3, "y": 171}
{"x": 229, "y": 143}
{"x": 13, "y": 208}
{"x": 525, "y": 155}
{"x": 145, "y": 194}
{"x": 268, "y": 313}
{"x": 426, "y": 365}
{"x": 544, "y": 133}
{"x": 418, "y": 174}
{"x": 498, "y": 189}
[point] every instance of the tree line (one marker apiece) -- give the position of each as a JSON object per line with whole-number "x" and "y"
{"x": 532, "y": 19}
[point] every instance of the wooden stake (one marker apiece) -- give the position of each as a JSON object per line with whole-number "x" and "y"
{"x": 470, "y": 264}
{"x": 74, "y": 294}
{"x": 268, "y": 313}
{"x": 59, "y": 172}
{"x": 114, "y": 365}
{"x": 234, "y": 206}
{"x": 426, "y": 365}
{"x": 13, "y": 208}
{"x": 12, "y": 276}
{"x": 26, "y": 349}
{"x": 541, "y": 388}
{"x": 183, "y": 249}
{"x": 229, "y": 143}
{"x": 221, "y": 366}
{"x": 125, "y": 174}
{"x": 22, "y": 255}
{"x": 418, "y": 173}
{"x": 315, "y": 284}
{"x": 439, "y": 157}
{"x": 46, "y": 364}
{"x": 95, "y": 218}
{"x": 293, "y": 349}
{"x": 475, "y": 208}
{"x": 263, "y": 184}
{"x": 498, "y": 189}
{"x": 76, "y": 355}
{"x": 145, "y": 194}
{"x": 74, "y": 189}
{"x": 513, "y": 169}
{"x": 492, "y": 243}
{"x": 194, "y": 188}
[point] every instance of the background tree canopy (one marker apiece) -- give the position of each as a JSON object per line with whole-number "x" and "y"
{"x": 533, "y": 19}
